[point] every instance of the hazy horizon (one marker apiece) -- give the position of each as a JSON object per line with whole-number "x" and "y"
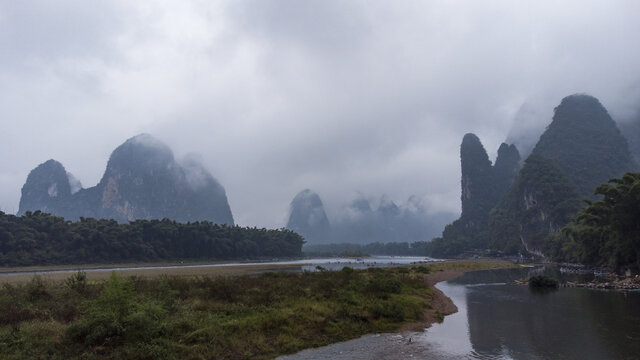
{"x": 345, "y": 98}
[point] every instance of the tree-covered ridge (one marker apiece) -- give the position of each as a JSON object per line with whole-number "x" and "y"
{"x": 41, "y": 239}
{"x": 418, "y": 248}
{"x": 586, "y": 143}
{"x": 607, "y": 231}
{"x": 541, "y": 201}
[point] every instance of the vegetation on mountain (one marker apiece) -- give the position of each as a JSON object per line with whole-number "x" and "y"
{"x": 607, "y": 231}
{"x": 541, "y": 201}
{"x": 580, "y": 149}
{"x": 42, "y": 239}
{"x": 142, "y": 180}
{"x": 586, "y": 143}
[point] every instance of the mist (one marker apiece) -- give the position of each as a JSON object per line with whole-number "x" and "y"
{"x": 345, "y": 98}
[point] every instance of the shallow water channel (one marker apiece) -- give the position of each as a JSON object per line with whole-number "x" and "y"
{"x": 310, "y": 264}
{"x": 497, "y": 319}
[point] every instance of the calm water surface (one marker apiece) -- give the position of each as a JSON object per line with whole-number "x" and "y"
{"x": 305, "y": 264}
{"x": 500, "y": 320}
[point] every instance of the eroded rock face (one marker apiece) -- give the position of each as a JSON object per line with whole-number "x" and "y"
{"x": 482, "y": 187}
{"x": 47, "y": 188}
{"x": 142, "y": 181}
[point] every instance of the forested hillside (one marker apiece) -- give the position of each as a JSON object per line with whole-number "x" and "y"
{"x": 607, "y": 231}
{"x": 41, "y": 239}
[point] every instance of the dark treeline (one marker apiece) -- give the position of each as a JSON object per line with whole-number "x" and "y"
{"x": 418, "y": 248}
{"x": 42, "y": 239}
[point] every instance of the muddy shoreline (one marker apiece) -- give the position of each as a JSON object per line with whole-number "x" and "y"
{"x": 441, "y": 305}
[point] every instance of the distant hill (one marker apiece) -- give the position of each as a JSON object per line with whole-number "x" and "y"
{"x": 361, "y": 223}
{"x": 389, "y": 222}
{"x": 308, "y": 218}
{"x": 142, "y": 181}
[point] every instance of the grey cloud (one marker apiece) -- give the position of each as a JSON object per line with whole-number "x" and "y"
{"x": 279, "y": 96}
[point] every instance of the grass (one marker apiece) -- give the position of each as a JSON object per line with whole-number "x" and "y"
{"x": 203, "y": 317}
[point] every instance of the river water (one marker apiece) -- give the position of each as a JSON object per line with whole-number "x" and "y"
{"x": 498, "y": 319}
{"x": 310, "y": 264}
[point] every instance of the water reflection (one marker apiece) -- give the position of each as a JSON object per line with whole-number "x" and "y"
{"x": 510, "y": 320}
{"x": 500, "y": 320}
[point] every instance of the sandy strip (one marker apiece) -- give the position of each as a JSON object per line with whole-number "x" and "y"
{"x": 234, "y": 270}
{"x": 439, "y": 304}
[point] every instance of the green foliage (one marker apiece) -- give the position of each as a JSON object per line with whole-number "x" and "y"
{"x": 540, "y": 202}
{"x": 607, "y": 231}
{"x": 118, "y": 318}
{"x": 418, "y": 248}
{"x": 77, "y": 282}
{"x": 586, "y": 144}
{"x": 41, "y": 239}
{"x": 248, "y": 317}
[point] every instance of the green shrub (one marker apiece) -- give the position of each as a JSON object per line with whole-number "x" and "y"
{"x": 77, "y": 282}
{"x": 117, "y": 317}
{"x": 36, "y": 289}
{"x": 384, "y": 286}
{"x": 543, "y": 282}
{"x": 347, "y": 270}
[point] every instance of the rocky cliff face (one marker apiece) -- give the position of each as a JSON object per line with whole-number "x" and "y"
{"x": 477, "y": 193}
{"x": 482, "y": 186}
{"x": 47, "y": 188}
{"x": 308, "y": 218}
{"x": 142, "y": 181}
{"x": 542, "y": 200}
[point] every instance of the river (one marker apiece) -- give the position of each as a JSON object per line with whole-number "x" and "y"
{"x": 497, "y": 319}
{"x": 310, "y": 264}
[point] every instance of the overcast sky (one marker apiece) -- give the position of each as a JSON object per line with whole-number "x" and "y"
{"x": 277, "y": 96}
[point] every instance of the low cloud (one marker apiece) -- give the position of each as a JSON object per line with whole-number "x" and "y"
{"x": 278, "y": 96}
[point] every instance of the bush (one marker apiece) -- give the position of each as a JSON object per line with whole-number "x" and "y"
{"x": 384, "y": 286}
{"x": 543, "y": 282}
{"x": 116, "y": 317}
{"x": 347, "y": 270}
{"x": 77, "y": 282}
{"x": 36, "y": 289}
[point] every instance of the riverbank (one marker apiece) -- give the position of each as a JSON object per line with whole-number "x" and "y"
{"x": 629, "y": 284}
{"x": 257, "y": 317}
{"x": 102, "y": 273}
